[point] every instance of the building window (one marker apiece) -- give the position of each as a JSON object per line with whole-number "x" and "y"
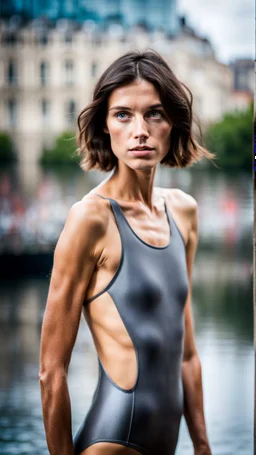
{"x": 69, "y": 73}
{"x": 242, "y": 81}
{"x": 12, "y": 73}
{"x": 44, "y": 73}
{"x": 45, "y": 107}
{"x": 42, "y": 39}
{"x": 68, "y": 37}
{"x": 71, "y": 112}
{"x": 12, "y": 112}
{"x": 94, "y": 69}
{"x": 10, "y": 39}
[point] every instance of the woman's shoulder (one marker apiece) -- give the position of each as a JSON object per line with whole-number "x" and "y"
{"x": 184, "y": 209}
{"x": 83, "y": 233}
{"x": 91, "y": 213}
{"x": 178, "y": 198}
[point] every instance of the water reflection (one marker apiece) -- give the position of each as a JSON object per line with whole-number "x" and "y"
{"x": 37, "y": 202}
{"x": 227, "y": 306}
{"x": 224, "y": 340}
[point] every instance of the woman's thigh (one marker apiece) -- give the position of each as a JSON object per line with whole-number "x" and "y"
{"x": 109, "y": 448}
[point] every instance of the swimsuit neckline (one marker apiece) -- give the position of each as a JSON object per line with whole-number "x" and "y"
{"x": 163, "y": 247}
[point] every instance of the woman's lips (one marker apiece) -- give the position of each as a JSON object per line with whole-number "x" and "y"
{"x": 144, "y": 152}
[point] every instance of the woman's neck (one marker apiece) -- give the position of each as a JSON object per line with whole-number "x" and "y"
{"x": 132, "y": 185}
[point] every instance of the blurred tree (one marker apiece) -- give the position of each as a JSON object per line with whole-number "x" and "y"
{"x": 7, "y": 152}
{"x": 231, "y": 139}
{"x": 63, "y": 152}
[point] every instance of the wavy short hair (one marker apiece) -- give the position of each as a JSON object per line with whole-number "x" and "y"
{"x": 94, "y": 144}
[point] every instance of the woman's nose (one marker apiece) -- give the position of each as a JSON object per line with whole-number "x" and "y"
{"x": 140, "y": 128}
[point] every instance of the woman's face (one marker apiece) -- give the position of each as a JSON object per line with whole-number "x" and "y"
{"x": 138, "y": 126}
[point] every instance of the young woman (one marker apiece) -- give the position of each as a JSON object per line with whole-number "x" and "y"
{"x": 125, "y": 258}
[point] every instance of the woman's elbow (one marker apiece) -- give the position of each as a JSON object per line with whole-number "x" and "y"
{"x": 52, "y": 376}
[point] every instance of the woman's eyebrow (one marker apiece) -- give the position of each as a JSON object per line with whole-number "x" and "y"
{"x": 154, "y": 106}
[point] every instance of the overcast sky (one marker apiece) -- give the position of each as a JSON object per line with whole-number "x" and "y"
{"x": 229, "y": 24}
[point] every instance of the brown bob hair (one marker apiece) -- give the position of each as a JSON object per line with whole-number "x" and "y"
{"x": 94, "y": 144}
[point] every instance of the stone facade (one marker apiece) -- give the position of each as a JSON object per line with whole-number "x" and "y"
{"x": 47, "y": 75}
{"x": 243, "y": 72}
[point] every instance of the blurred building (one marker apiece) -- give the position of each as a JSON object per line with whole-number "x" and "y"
{"x": 243, "y": 76}
{"x": 125, "y": 12}
{"x": 47, "y": 73}
{"x": 194, "y": 61}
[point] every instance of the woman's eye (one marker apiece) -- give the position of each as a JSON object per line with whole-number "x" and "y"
{"x": 153, "y": 114}
{"x": 156, "y": 114}
{"x": 121, "y": 115}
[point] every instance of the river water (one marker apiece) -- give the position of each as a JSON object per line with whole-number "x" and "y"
{"x": 34, "y": 204}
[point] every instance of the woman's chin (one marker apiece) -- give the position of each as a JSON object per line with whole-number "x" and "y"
{"x": 143, "y": 166}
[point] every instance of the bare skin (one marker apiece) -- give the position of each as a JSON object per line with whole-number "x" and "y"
{"x": 87, "y": 256}
{"x": 101, "y": 448}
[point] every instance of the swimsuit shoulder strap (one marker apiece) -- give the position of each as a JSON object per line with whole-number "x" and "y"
{"x": 118, "y": 214}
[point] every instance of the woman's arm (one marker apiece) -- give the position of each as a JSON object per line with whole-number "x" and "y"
{"x": 75, "y": 257}
{"x": 191, "y": 366}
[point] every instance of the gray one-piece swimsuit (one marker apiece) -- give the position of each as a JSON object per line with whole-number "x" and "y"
{"x": 149, "y": 290}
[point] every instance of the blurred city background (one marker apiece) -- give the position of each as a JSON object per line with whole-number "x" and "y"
{"x": 51, "y": 54}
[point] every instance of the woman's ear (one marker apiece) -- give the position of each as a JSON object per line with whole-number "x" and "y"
{"x": 105, "y": 129}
